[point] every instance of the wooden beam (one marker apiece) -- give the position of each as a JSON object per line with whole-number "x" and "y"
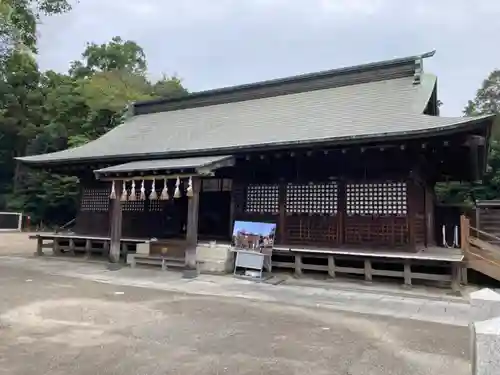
{"x": 172, "y": 176}
{"x": 190, "y": 270}
{"x": 115, "y": 225}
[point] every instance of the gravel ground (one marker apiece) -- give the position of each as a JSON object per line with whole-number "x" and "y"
{"x": 51, "y": 324}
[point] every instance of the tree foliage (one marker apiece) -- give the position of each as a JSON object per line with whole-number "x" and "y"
{"x": 48, "y": 111}
{"x": 18, "y": 21}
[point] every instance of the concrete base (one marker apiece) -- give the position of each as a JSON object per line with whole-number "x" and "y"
{"x": 485, "y": 304}
{"x": 486, "y": 347}
{"x": 214, "y": 258}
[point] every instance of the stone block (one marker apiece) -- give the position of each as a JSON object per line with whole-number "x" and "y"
{"x": 214, "y": 258}
{"x": 485, "y": 304}
{"x": 486, "y": 347}
{"x": 131, "y": 260}
{"x": 143, "y": 248}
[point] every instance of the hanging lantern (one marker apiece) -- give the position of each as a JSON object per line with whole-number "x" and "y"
{"x": 153, "y": 196}
{"x": 113, "y": 191}
{"x": 132, "y": 197}
{"x": 123, "y": 197}
{"x": 143, "y": 191}
{"x": 177, "y": 192}
{"x": 164, "y": 193}
{"x": 189, "y": 190}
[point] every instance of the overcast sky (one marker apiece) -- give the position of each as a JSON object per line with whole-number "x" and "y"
{"x": 216, "y": 43}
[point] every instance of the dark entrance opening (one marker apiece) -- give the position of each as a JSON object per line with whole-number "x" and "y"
{"x": 215, "y": 210}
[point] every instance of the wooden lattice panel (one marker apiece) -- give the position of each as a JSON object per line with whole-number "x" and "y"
{"x": 137, "y": 205}
{"x": 318, "y": 199}
{"x": 311, "y": 230}
{"x": 156, "y": 205}
{"x": 95, "y": 199}
{"x": 376, "y": 231}
{"x": 381, "y": 199}
{"x": 262, "y": 198}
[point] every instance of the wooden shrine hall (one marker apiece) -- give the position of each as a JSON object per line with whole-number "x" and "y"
{"x": 343, "y": 161}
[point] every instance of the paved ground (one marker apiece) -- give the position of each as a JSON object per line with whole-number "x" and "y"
{"x": 61, "y": 316}
{"x": 52, "y": 324}
{"x": 16, "y": 243}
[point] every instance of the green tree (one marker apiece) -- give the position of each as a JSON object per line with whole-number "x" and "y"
{"x": 168, "y": 87}
{"x": 21, "y": 117}
{"x": 115, "y": 55}
{"x": 18, "y": 22}
{"x": 75, "y": 108}
{"x": 486, "y": 101}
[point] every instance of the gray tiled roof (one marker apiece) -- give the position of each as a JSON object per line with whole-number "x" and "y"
{"x": 362, "y": 111}
{"x": 151, "y": 165}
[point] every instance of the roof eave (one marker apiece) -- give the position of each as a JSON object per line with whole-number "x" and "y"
{"x": 448, "y": 129}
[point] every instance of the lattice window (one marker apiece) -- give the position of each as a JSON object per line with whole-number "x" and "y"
{"x": 137, "y": 205}
{"x": 95, "y": 199}
{"x": 307, "y": 230}
{"x": 382, "y": 199}
{"x": 376, "y": 230}
{"x": 262, "y": 198}
{"x": 320, "y": 199}
{"x": 156, "y": 205}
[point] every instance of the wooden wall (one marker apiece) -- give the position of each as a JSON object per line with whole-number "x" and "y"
{"x": 154, "y": 218}
{"x": 141, "y": 218}
{"x": 326, "y": 216}
{"x": 363, "y": 199}
{"x": 367, "y": 200}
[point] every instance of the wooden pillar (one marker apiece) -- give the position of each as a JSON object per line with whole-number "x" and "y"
{"x": 407, "y": 273}
{"x": 282, "y": 217}
{"x": 331, "y": 266}
{"x": 39, "y": 246}
{"x": 464, "y": 232}
{"x": 72, "y": 246}
{"x": 232, "y": 210}
{"x": 455, "y": 277}
{"x": 464, "y": 273}
{"x": 478, "y": 217}
{"x": 191, "y": 270}
{"x": 298, "y": 265}
{"x": 115, "y": 224}
{"x": 430, "y": 236}
{"x": 341, "y": 211}
{"x": 56, "y": 247}
{"x": 88, "y": 248}
{"x": 368, "y": 270}
{"x": 411, "y": 213}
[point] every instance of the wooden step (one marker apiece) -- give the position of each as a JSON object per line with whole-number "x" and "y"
{"x": 158, "y": 258}
{"x": 163, "y": 262}
{"x": 484, "y": 257}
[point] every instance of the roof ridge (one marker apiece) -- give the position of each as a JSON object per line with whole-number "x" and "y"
{"x": 287, "y": 85}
